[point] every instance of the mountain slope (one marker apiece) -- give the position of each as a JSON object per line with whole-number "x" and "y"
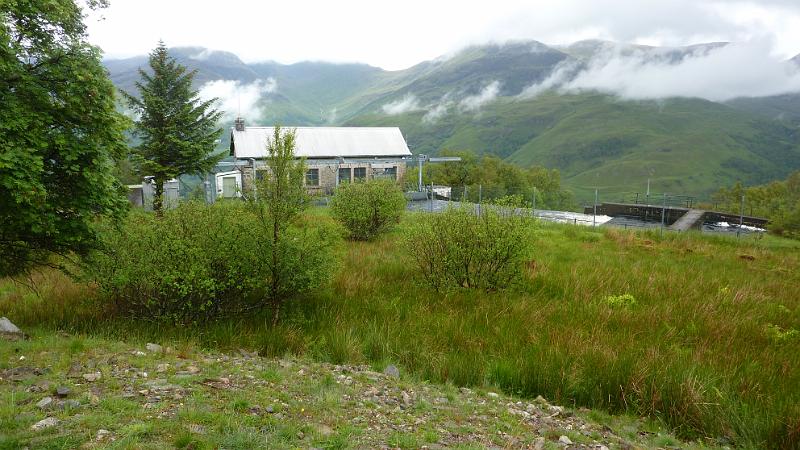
{"x": 685, "y": 146}
{"x": 470, "y": 101}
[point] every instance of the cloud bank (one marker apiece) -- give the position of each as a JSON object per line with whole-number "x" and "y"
{"x": 409, "y": 103}
{"x": 716, "y": 74}
{"x": 239, "y": 99}
{"x": 487, "y": 95}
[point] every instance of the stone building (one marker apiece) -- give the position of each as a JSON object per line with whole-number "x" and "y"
{"x": 333, "y": 155}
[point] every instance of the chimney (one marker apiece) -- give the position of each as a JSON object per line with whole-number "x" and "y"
{"x": 238, "y": 124}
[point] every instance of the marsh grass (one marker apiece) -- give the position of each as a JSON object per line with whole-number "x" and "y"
{"x": 694, "y": 350}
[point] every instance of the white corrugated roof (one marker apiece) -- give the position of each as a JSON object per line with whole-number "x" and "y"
{"x": 325, "y": 142}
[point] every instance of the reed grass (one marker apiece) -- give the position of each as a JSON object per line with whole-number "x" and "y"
{"x": 693, "y": 349}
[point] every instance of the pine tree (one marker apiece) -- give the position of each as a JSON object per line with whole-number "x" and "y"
{"x": 178, "y": 131}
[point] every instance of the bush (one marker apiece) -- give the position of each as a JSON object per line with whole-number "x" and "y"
{"x": 368, "y": 209}
{"x": 201, "y": 262}
{"x": 459, "y": 248}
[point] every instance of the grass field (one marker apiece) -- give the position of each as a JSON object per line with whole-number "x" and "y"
{"x": 692, "y": 329}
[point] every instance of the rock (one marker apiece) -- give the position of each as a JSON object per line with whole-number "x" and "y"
{"x": 102, "y": 435}
{"x": 492, "y": 395}
{"x": 269, "y": 409}
{"x": 602, "y": 447}
{"x": 538, "y": 444}
{"x": 197, "y": 429}
{"x": 392, "y": 371}
{"x": 564, "y": 440}
{"x": 62, "y": 391}
{"x": 540, "y": 400}
{"x": 161, "y": 368}
{"x": 71, "y": 404}
{"x": 193, "y": 370}
{"x": 324, "y": 430}
{"x": 94, "y": 400}
{"x": 75, "y": 371}
{"x": 45, "y": 403}
{"x": 42, "y": 386}
{"x": 91, "y": 377}
{"x": 44, "y": 423}
{"x": 153, "y": 348}
{"x": 7, "y": 327}
{"x": 406, "y": 398}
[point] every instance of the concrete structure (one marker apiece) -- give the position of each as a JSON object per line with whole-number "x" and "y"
{"x": 333, "y": 155}
{"x": 675, "y": 218}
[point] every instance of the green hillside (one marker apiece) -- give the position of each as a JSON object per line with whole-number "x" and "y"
{"x": 685, "y": 146}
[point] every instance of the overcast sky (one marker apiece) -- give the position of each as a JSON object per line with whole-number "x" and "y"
{"x": 398, "y": 34}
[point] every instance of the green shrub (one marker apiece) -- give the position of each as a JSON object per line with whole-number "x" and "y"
{"x": 200, "y": 262}
{"x": 368, "y": 209}
{"x": 459, "y": 248}
{"x": 620, "y": 301}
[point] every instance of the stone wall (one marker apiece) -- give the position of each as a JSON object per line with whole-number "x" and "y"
{"x": 328, "y": 173}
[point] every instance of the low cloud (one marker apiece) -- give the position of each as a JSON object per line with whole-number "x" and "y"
{"x": 436, "y": 112}
{"x": 406, "y": 104}
{"x": 239, "y": 99}
{"x": 717, "y": 74}
{"x": 202, "y": 55}
{"x": 487, "y": 95}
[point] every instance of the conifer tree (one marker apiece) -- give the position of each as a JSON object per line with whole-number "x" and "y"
{"x": 178, "y": 130}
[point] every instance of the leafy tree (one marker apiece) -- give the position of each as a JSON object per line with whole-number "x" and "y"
{"x": 279, "y": 198}
{"x": 59, "y": 131}
{"x": 779, "y": 201}
{"x": 178, "y": 131}
{"x": 496, "y": 179}
{"x": 368, "y": 209}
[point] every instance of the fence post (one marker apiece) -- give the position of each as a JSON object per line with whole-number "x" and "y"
{"x": 534, "y": 202}
{"x": 480, "y": 198}
{"x": 594, "y": 210}
{"x": 431, "y": 197}
{"x": 663, "y": 213}
{"x": 741, "y": 217}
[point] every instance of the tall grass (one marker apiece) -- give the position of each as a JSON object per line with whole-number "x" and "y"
{"x": 692, "y": 349}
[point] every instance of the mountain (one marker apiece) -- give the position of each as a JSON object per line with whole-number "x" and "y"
{"x": 478, "y": 99}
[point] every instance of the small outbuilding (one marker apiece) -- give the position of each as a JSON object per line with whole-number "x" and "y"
{"x": 333, "y": 155}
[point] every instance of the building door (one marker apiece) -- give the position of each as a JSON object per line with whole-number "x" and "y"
{"x": 229, "y": 187}
{"x": 229, "y": 184}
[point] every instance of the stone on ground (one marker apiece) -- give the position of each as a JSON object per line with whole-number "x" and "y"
{"x": 7, "y": 327}
{"x": 392, "y": 371}
{"x": 44, "y": 423}
{"x": 154, "y": 348}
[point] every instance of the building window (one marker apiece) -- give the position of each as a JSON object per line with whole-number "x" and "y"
{"x": 312, "y": 177}
{"x": 261, "y": 174}
{"x": 389, "y": 173}
{"x": 344, "y": 175}
{"x": 360, "y": 173}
